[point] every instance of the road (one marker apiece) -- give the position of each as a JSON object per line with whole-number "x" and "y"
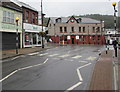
{"x": 59, "y": 68}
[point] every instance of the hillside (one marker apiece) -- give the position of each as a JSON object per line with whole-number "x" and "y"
{"x": 108, "y": 19}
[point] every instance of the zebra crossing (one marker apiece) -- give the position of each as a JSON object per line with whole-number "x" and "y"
{"x": 62, "y": 56}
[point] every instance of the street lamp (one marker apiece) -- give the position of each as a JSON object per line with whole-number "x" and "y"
{"x": 17, "y": 19}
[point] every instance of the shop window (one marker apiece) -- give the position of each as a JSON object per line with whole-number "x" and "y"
{"x": 80, "y": 38}
{"x": 28, "y": 39}
{"x": 61, "y": 38}
{"x": 98, "y": 37}
{"x": 65, "y": 38}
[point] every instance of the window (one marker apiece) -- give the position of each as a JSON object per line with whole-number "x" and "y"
{"x": 58, "y": 20}
{"x": 65, "y": 38}
{"x": 83, "y": 29}
{"x": 72, "y": 28}
{"x": 27, "y": 16}
{"x": 98, "y": 37}
{"x": 61, "y": 30}
{"x": 33, "y": 18}
{"x": 98, "y": 29}
{"x": 8, "y": 17}
{"x": 80, "y": 29}
{"x": 65, "y": 29}
{"x": 80, "y": 38}
{"x": 93, "y": 29}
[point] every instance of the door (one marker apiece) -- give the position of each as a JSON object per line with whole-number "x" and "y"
{"x": 72, "y": 40}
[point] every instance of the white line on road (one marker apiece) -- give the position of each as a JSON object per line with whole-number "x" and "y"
{"x": 33, "y": 65}
{"x": 43, "y": 54}
{"x": 75, "y": 57}
{"x": 9, "y": 75}
{"x": 83, "y": 61}
{"x": 80, "y": 77}
{"x": 22, "y": 69}
{"x": 33, "y": 53}
{"x": 15, "y": 58}
{"x": 64, "y": 55}
{"x": 74, "y": 86}
{"x": 91, "y": 58}
{"x": 53, "y": 55}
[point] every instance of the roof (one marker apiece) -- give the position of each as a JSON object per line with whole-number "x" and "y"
{"x": 21, "y": 4}
{"x": 66, "y": 19}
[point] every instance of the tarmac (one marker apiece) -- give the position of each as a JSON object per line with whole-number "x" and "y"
{"x": 103, "y": 74}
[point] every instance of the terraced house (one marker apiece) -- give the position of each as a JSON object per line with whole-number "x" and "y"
{"x": 76, "y": 30}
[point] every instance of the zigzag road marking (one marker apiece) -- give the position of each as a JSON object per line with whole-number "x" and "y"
{"x": 75, "y": 57}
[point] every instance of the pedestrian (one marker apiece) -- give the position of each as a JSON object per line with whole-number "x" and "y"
{"x": 115, "y": 47}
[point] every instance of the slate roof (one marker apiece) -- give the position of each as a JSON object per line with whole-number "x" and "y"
{"x": 83, "y": 19}
{"x": 20, "y": 4}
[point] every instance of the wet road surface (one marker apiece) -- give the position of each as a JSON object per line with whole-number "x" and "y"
{"x": 59, "y": 68}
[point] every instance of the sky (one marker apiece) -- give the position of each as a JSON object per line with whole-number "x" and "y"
{"x": 64, "y": 8}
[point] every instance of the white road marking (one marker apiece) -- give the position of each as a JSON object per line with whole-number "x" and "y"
{"x": 33, "y": 65}
{"x": 43, "y": 54}
{"x": 15, "y": 58}
{"x": 33, "y": 53}
{"x": 75, "y": 57}
{"x": 115, "y": 69}
{"x": 91, "y": 58}
{"x": 53, "y": 55}
{"x": 22, "y": 69}
{"x": 74, "y": 86}
{"x": 64, "y": 55}
{"x": 80, "y": 77}
{"x": 83, "y": 61}
{"x": 9, "y": 75}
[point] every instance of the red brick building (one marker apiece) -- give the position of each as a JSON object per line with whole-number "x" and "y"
{"x": 76, "y": 30}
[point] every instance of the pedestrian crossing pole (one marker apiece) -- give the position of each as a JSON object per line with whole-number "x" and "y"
{"x": 17, "y": 19}
{"x": 115, "y": 25}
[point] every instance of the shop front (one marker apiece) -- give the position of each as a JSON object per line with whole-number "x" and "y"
{"x": 31, "y": 35}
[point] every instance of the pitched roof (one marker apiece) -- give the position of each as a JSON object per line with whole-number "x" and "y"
{"x": 20, "y": 4}
{"x": 83, "y": 19}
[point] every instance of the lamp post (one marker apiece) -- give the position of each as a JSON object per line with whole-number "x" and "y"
{"x": 42, "y": 23}
{"x": 17, "y": 19}
{"x": 115, "y": 25}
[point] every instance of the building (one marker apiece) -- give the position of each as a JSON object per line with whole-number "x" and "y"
{"x": 9, "y": 11}
{"x": 76, "y": 30}
{"x": 31, "y": 28}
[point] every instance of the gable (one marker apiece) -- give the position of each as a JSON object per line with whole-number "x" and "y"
{"x": 72, "y": 20}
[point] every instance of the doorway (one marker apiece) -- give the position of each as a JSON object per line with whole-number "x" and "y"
{"x": 72, "y": 40}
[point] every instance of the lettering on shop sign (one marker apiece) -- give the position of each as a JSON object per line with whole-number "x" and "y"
{"x": 9, "y": 26}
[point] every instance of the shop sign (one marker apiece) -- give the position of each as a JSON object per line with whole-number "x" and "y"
{"x": 32, "y": 27}
{"x": 10, "y": 26}
{"x": 68, "y": 37}
{"x": 77, "y": 37}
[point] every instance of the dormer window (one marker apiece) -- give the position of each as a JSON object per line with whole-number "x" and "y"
{"x": 79, "y": 20}
{"x": 58, "y": 20}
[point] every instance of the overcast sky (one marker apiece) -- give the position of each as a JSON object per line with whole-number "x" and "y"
{"x": 55, "y": 8}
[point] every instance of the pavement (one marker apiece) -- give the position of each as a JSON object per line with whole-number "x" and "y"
{"x": 102, "y": 78}
{"x": 4, "y": 54}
